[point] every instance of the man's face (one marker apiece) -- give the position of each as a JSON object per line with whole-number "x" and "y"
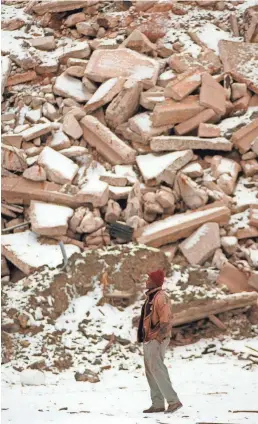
{"x": 150, "y": 284}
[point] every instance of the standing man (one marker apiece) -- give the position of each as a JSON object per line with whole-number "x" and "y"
{"x": 155, "y": 331}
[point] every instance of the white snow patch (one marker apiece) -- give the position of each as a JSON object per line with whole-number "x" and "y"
{"x": 51, "y": 215}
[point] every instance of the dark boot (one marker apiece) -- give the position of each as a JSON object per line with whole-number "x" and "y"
{"x": 152, "y": 410}
{"x": 173, "y": 407}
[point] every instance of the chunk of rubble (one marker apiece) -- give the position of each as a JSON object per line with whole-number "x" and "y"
{"x": 208, "y": 130}
{"x": 212, "y": 94}
{"x": 139, "y": 42}
{"x": 95, "y": 192}
{"x": 245, "y": 136}
{"x": 157, "y": 168}
{"x": 56, "y": 6}
{"x": 226, "y": 172}
{"x": 166, "y": 77}
{"x": 176, "y": 143}
{"x": 28, "y": 254}
{"x": 114, "y": 179}
{"x": 105, "y": 93}
{"x": 49, "y": 111}
{"x": 48, "y": 219}
{"x": 90, "y": 223}
{"x": 240, "y": 59}
{"x": 250, "y": 167}
{"x": 59, "y": 169}
{"x": 193, "y": 170}
{"x": 67, "y": 86}
{"x": 236, "y": 281}
{"x": 142, "y": 124}
{"x": 180, "y": 226}
{"x": 150, "y": 98}
{"x": 35, "y": 173}
{"x": 192, "y": 194}
{"x": 14, "y": 159}
{"x": 172, "y": 112}
{"x": 125, "y": 105}
{"x": 74, "y": 19}
{"x": 43, "y": 43}
{"x": 250, "y": 24}
{"x": 253, "y": 280}
{"x": 201, "y": 245}
{"x": 106, "y": 143}
{"x": 21, "y": 78}
{"x": 14, "y": 140}
{"x": 36, "y": 131}
{"x": 113, "y": 211}
{"x": 192, "y": 123}
{"x": 254, "y": 217}
{"x": 118, "y": 193}
{"x": 229, "y": 244}
{"x": 33, "y": 115}
{"x": 75, "y": 152}
{"x": 58, "y": 140}
{"x": 6, "y": 66}
{"x": 184, "y": 84}
{"x": 71, "y": 126}
{"x": 254, "y": 146}
{"x": 105, "y": 64}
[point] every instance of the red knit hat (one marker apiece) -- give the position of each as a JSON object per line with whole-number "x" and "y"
{"x": 157, "y": 277}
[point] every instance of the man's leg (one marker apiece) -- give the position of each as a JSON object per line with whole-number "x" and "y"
{"x": 157, "y": 398}
{"x": 159, "y": 371}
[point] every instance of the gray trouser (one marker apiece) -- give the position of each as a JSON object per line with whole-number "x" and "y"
{"x": 157, "y": 373}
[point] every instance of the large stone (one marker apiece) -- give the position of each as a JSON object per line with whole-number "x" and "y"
{"x": 151, "y": 97}
{"x": 226, "y": 172}
{"x": 76, "y": 50}
{"x": 71, "y": 126}
{"x": 36, "y": 131}
{"x": 6, "y": 66}
{"x": 48, "y": 219}
{"x": 240, "y": 59}
{"x": 49, "y": 111}
{"x": 184, "y": 84}
{"x": 187, "y": 126}
{"x": 21, "y": 78}
{"x": 14, "y": 159}
{"x": 157, "y": 168}
{"x": 201, "y": 245}
{"x": 35, "y": 173}
{"x": 172, "y": 112}
{"x": 235, "y": 280}
{"x": 245, "y": 136}
{"x": 192, "y": 194}
{"x": 105, "y": 64}
{"x": 139, "y": 42}
{"x": 74, "y": 19}
{"x": 171, "y": 143}
{"x": 106, "y": 143}
{"x": 95, "y": 192}
{"x": 212, "y": 94}
{"x": 180, "y": 226}
{"x": 67, "y": 86}
{"x": 208, "y": 130}
{"x": 142, "y": 124}
{"x": 105, "y": 93}
{"x": 43, "y": 43}
{"x": 58, "y": 141}
{"x": 14, "y": 140}
{"x": 56, "y": 6}
{"x": 113, "y": 211}
{"x": 59, "y": 169}
{"x": 124, "y": 105}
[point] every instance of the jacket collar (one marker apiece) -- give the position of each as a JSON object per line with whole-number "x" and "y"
{"x": 151, "y": 291}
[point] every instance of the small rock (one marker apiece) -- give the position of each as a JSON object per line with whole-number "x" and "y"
{"x": 88, "y": 375}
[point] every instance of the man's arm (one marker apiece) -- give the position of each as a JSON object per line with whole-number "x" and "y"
{"x": 164, "y": 311}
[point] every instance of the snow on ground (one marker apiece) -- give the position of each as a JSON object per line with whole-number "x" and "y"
{"x": 210, "y": 387}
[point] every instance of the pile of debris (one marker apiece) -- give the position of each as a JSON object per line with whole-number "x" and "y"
{"x": 142, "y": 113}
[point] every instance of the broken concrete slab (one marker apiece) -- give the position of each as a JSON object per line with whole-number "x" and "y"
{"x": 184, "y": 84}
{"x": 180, "y": 226}
{"x": 43, "y": 43}
{"x": 192, "y": 123}
{"x": 95, "y": 192}
{"x": 106, "y": 64}
{"x": 56, "y": 6}
{"x": 201, "y": 245}
{"x": 142, "y": 125}
{"x": 106, "y": 143}
{"x": 21, "y": 191}
{"x": 58, "y": 140}
{"x": 226, "y": 172}
{"x": 171, "y": 143}
{"x": 28, "y": 254}
{"x": 59, "y": 169}
{"x": 67, "y": 86}
{"x": 36, "y": 131}
{"x": 48, "y": 219}
{"x": 35, "y": 173}
{"x": 157, "y": 168}
{"x": 6, "y": 65}
{"x": 192, "y": 194}
{"x": 240, "y": 59}
{"x": 208, "y": 130}
{"x": 172, "y": 112}
{"x": 212, "y": 94}
{"x": 21, "y": 78}
{"x": 236, "y": 281}
{"x": 124, "y": 105}
{"x": 245, "y": 136}
{"x": 105, "y": 93}
{"x": 71, "y": 126}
